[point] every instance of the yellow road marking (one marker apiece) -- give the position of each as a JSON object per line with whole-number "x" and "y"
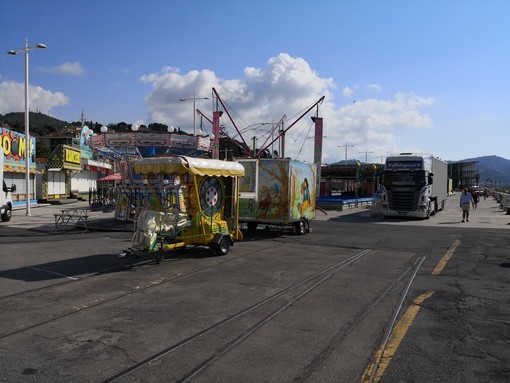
{"x": 442, "y": 263}
{"x": 387, "y": 351}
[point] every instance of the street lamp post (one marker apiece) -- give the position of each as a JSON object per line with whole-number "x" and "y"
{"x": 346, "y": 146}
{"x": 194, "y": 98}
{"x": 366, "y": 155}
{"x": 25, "y": 50}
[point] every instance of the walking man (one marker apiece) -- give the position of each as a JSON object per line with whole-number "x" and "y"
{"x": 466, "y": 199}
{"x": 476, "y": 198}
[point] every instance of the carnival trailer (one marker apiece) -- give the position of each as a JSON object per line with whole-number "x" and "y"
{"x": 279, "y": 192}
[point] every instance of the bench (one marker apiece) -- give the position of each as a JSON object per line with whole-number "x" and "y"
{"x": 73, "y": 216}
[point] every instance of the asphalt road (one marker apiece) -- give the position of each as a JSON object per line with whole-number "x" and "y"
{"x": 360, "y": 298}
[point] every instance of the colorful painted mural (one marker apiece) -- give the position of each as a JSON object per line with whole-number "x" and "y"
{"x": 13, "y": 144}
{"x": 277, "y": 190}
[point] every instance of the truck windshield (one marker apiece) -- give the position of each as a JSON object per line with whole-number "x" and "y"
{"x": 403, "y": 178}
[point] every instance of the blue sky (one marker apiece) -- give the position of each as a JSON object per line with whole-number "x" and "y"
{"x": 426, "y": 76}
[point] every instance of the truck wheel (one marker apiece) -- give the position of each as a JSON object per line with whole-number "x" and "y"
{"x": 301, "y": 227}
{"x": 7, "y": 214}
{"x": 252, "y": 226}
{"x": 223, "y": 246}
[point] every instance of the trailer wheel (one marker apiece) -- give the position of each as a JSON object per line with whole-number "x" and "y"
{"x": 7, "y": 214}
{"x": 223, "y": 246}
{"x": 301, "y": 227}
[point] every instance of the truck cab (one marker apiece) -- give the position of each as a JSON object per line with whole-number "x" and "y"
{"x": 414, "y": 185}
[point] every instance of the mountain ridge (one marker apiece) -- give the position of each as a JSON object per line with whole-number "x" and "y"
{"x": 494, "y": 170}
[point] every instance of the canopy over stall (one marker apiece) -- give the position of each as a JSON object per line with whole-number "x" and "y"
{"x": 183, "y": 164}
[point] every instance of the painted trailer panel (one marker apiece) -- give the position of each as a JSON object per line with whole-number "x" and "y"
{"x": 277, "y": 191}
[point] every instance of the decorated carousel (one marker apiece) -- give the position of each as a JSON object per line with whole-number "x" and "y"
{"x": 131, "y": 191}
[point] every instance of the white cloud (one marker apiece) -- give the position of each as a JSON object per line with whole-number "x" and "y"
{"x": 374, "y": 87}
{"x": 12, "y": 98}
{"x": 348, "y": 91}
{"x": 66, "y": 68}
{"x": 288, "y": 86}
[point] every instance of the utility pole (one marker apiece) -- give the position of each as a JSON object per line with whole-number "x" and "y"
{"x": 382, "y": 158}
{"x": 366, "y": 155}
{"x": 346, "y": 146}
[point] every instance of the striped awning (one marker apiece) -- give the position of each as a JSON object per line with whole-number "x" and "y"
{"x": 18, "y": 169}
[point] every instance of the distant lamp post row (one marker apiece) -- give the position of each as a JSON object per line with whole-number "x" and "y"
{"x": 25, "y": 50}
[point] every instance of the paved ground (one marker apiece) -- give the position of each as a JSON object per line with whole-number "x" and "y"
{"x": 487, "y": 215}
{"x": 278, "y": 308}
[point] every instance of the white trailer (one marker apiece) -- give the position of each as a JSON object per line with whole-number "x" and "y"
{"x": 5, "y": 194}
{"x": 414, "y": 185}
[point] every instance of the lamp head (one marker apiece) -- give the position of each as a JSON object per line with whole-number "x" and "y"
{"x": 43, "y": 46}
{"x": 11, "y": 52}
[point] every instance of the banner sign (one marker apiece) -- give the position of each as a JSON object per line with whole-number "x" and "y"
{"x": 14, "y": 145}
{"x": 178, "y": 141}
{"x": 404, "y": 165}
{"x": 152, "y": 139}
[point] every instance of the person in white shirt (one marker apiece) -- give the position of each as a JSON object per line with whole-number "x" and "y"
{"x": 466, "y": 199}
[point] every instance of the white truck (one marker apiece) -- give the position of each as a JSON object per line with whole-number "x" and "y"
{"x": 5, "y": 194}
{"x": 414, "y": 185}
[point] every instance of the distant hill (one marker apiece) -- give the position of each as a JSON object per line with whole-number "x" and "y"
{"x": 492, "y": 168}
{"x": 40, "y": 123}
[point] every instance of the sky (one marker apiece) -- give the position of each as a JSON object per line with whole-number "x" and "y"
{"x": 396, "y": 75}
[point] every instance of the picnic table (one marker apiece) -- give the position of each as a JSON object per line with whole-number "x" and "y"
{"x": 72, "y": 216}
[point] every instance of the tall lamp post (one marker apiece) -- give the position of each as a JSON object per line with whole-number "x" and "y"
{"x": 346, "y": 146}
{"x": 25, "y": 50}
{"x": 194, "y": 98}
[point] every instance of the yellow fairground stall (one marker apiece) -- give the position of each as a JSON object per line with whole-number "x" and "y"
{"x": 192, "y": 201}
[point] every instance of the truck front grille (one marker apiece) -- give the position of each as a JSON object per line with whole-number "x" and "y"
{"x": 403, "y": 200}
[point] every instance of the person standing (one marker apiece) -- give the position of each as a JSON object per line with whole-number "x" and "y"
{"x": 466, "y": 199}
{"x": 476, "y": 198}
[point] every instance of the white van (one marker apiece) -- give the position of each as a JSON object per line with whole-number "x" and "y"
{"x": 5, "y": 193}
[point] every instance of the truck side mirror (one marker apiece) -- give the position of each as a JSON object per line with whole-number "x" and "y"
{"x": 13, "y": 188}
